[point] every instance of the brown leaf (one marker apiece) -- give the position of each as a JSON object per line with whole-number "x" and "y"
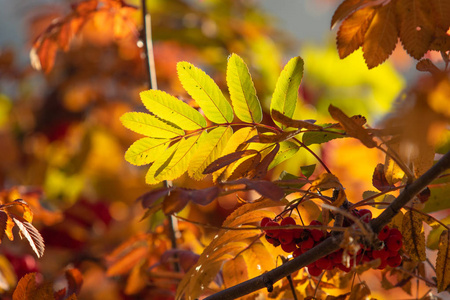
{"x": 187, "y": 258}
{"x": 426, "y": 65}
{"x": 264, "y": 188}
{"x": 3, "y": 224}
{"x": 352, "y": 31}
{"x": 203, "y": 196}
{"x": 360, "y": 120}
{"x": 441, "y": 13}
{"x": 424, "y": 195}
{"x": 226, "y": 160}
{"x": 74, "y": 281}
{"x": 273, "y": 138}
{"x": 379, "y": 180}
{"x": 175, "y": 202}
{"x": 262, "y": 167}
{"x": 349, "y": 6}
{"x": 326, "y": 181}
{"x": 359, "y": 291}
{"x": 26, "y": 287}
{"x": 414, "y": 236}
{"x": 32, "y": 235}
{"x": 381, "y": 37}
{"x": 351, "y": 127}
{"x": 148, "y": 199}
{"x": 246, "y": 168}
{"x": 416, "y": 26}
{"x": 277, "y": 116}
{"x": 443, "y": 262}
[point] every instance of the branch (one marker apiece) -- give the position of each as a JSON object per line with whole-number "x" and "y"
{"x": 332, "y": 243}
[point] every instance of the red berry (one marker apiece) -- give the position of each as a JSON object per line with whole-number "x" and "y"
{"x": 297, "y": 233}
{"x": 289, "y": 247}
{"x": 264, "y": 221}
{"x": 394, "y": 261}
{"x": 307, "y": 244}
{"x": 314, "y": 271}
{"x": 275, "y": 242}
{"x": 297, "y": 252}
{"x": 365, "y": 215}
{"x": 288, "y": 221}
{"x": 324, "y": 264}
{"x": 317, "y": 234}
{"x": 272, "y": 232}
{"x": 384, "y": 233}
{"x": 337, "y": 259}
{"x": 381, "y": 254}
{"x": 315, "y": 223}
{"x": 286, "y": 237}
{"x": 382, "y": 265}
{"x": 395, "y": 232}
{"x": 394, "y": 243}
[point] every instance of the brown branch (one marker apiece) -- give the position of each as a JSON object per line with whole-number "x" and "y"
{"x": 332, "y": 243}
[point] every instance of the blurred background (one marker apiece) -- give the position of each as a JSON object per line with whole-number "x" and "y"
{"x": 62, "y": 144}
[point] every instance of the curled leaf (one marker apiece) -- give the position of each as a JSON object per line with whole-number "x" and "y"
{"x": 32, "y": 235}
{"x": 443, "y": 262}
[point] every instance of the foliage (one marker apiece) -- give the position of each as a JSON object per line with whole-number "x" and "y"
{"x": 250, "y": 196}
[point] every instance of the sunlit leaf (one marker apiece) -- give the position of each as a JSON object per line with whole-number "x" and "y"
{"x": 288, "y": 122}
{"x": 352, "y": 30}
{"x": 32, "y": 235}
{"x": 227, "y": 159}
{"x": 125, "y": 263}
{"x": 307, "y": 171}
{"x": 145, "y": 150}
{"x": 242, "y": 91}
{"x": 443, "y": 262}
{"x": 234, "y": 271}
{"x": 205, "y": 92}
{"x": 320, "y": 137}
{"x": 263, "y": 166}
{"x": 149, "y": 125}
{"x": 210, "y": 147}
{"x": 360, "y": 291}
{"x": 74, "y": 280}
{"x": 287, "y": 150}
{"x": 26, "y": 288}
{"x": 351, "y": 127}
{"x": 414, "y": 236}
{"x": 284, "y": 98}
{"x": 245, "y": 167}
{"x": 347, "y": 7}
{"x": 379, "y": 180}
{"x": 381, "y": 37}
{"x": 169, "y": 108}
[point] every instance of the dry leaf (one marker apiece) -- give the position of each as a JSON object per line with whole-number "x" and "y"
{"x": 443, "y": 262}
{"x": 414, "y": 236}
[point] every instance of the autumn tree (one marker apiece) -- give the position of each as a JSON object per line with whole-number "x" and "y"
{"x": 301, "y": 234}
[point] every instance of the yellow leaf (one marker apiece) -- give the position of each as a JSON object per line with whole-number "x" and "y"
{"x": 259, "y": 259}
{"x": 326, "y": 181}
{"x": 414, "y": 236}
{"x": 381, "y": 37}
{"x": 443, "y": 262}
{"x": 235, "y": 271}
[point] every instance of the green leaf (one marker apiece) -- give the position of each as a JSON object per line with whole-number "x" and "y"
{"x": 440, "y": 189}
{"x": 287, "y": 150}
{"x": 308, "y": 170}
{"x": 174, "y": 161}
{"x": 320, "y": 137}
{"x": 149, "y": 125}
{"x": 145, "y": 151}
{"x": 211, "y": 145}
{"x": 169, "y": 108}
{"x": 242, "y": 91}
{"x": 285, "y": 96}
{"x": 205, "y": 92}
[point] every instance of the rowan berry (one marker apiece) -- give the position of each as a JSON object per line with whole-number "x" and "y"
{"x": 314, "y": 271}
{"x": 288, "y": 221}
{"x": 307, "y": 244}
{"x": 289, "y": 247}
{"x": 272, "y": 232}
{"x": 264, "y": 221}
{"x": 394, "y": 243}
{"x": 297, "y": 252}
{"x": 395, "y": 231}
{"x": 394, "y": 261}
{"x": 324, "y": 263}
{"x": 381, "y": 254}
{"x": 365, "y": 215}
{"x": 384, "y": 233}
{"x": 275, "y": 242}
{"x": 286, "y": 237}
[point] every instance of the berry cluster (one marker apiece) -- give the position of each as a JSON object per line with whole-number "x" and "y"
{"x": 298, "y": 241}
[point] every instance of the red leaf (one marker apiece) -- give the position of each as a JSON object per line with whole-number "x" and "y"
{"x": 379, "y": 179}
{"x": 148, "y": 199}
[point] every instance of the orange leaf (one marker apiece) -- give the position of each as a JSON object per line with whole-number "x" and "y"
{"x": 32, "y": 235}
{"x": 351, "y": 32}
{"x": 349, "y": 6}
{"x": 125, "y": 263}
{"x": 26, "y": 287}
{"x": 381, "y": 37}
{"x": 351, "y": 127}
{"x": 416, "y": 26}
{"x": 74, "y": 281}
{"x": 9, "y": 227}
{"x": 234, "y": 271}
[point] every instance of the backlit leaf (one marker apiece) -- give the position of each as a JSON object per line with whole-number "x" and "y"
{"x": 352, "y": 31}
{"x": 320, "y": 137}
{"x": 416, "y": 26}
{"x": 439, "y": 189}
{"x": 392, "y": 171}
{"x": 126, "y": 262}
{"x": 245, "y": 167}
{"x": 443, "y": 262}
{"x": 360, "y": 291}
{"x": 145, "y": 151}
{"x": 32, "y": 235}
{"x": 211, "y": 146}
{"x": 263, "y": 166}
{"x": 307, "y": 171}
{"x": 242, "y": 91}
{"x": 381, "y": 37}
{"x": 259, "y": 260}
{"x": 179, "y": 162}
{"x": 3, "y": 223}
{"x": 414, "y": 236}
{"x": 349, "y": 6}
{"x": 284, "y": 98}
{"x": 234, "y": 271}
{"x": 74, "y": 280}
{"x": 149, "y": 125}
{"x": 175, "y": 202}
{"x": 351, "y": 127}
{"x": 379, "y": 180}
{"x": 205, "y": 92}
{"x": 287, "y": 150}
{"x": 169, "y": 108}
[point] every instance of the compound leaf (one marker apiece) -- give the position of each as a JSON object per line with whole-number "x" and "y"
{"x": 211, "y": 146}
{"x": 149, "y": 125}
{"x": 169, "y": 108}
{"x": 145, "y": 151}
{"x": 284, "y": 98}
{"x": 205, "y": 92}
{"x": 242, "y": 91}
